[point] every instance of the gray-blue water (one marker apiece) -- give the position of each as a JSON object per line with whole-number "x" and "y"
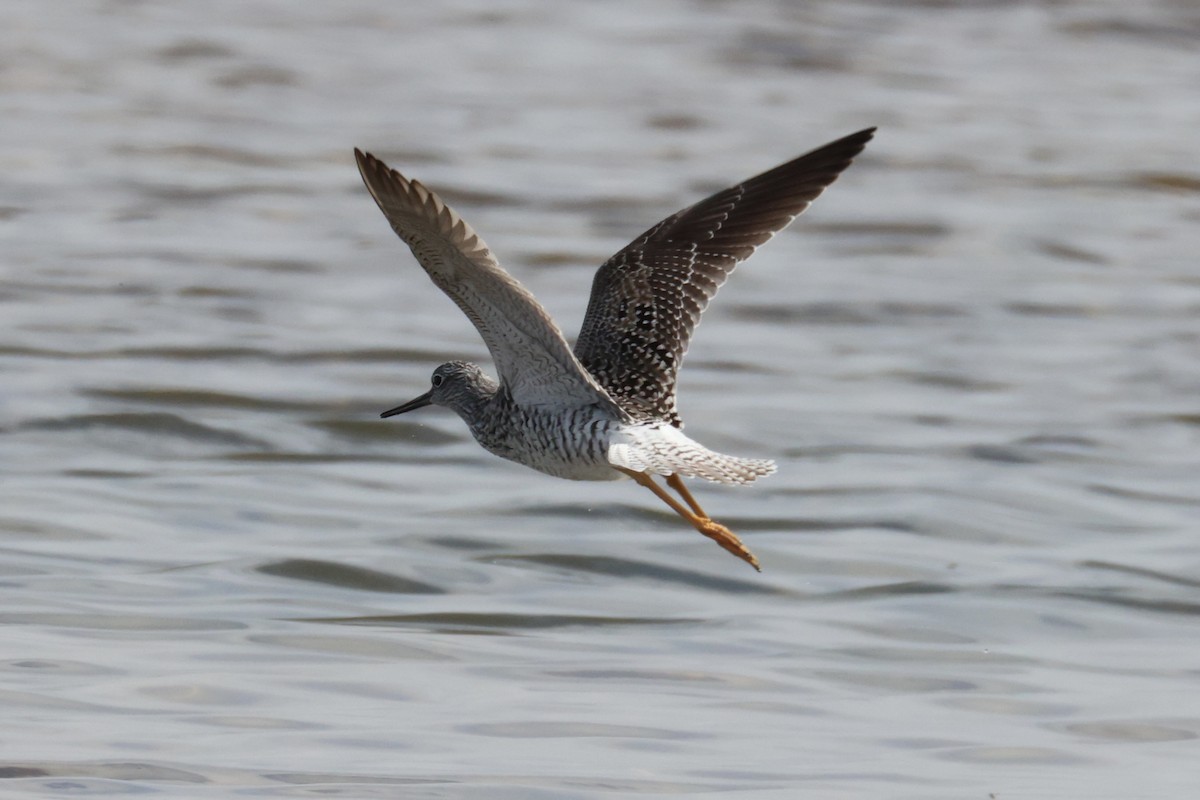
{"x": 976, "y": 360}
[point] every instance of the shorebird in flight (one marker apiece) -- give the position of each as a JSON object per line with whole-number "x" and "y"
{"x": 604, "y": 410}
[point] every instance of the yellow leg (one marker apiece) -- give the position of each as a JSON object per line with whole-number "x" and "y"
{"x": 713, "y": 530}
{"x": 676, "y": 483}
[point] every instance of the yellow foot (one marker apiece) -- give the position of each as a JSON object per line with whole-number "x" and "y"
{"x": 728, "y": 540}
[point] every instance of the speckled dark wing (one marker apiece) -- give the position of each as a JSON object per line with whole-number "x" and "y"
{"x": 647, "y": 299}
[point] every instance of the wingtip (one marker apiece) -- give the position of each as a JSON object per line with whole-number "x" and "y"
{"x": 849, "y": 147}
{"x": 365, "y": 161}
{"x": 860, "y": 138}
{"x": 379, "y": 178}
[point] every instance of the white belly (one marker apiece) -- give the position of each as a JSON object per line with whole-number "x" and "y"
{"x": 572, "y": 446}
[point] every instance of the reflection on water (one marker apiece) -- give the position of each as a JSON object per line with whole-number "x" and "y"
{"x": 974, "y": 360}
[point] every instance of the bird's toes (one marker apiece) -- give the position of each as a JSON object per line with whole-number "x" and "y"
{"x": 728, "y": 540}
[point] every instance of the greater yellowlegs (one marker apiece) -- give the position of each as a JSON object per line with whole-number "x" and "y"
{"x": 605, "y": 410}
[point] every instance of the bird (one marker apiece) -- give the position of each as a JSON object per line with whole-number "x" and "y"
{"x": 606, "y": 408}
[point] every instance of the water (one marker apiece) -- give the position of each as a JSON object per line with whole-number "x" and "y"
{"x": 974, "y": 359}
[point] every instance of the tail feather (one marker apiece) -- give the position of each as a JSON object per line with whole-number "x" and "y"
{"x": 665, "y": 450}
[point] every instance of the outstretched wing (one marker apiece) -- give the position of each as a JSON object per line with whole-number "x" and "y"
{"x": 532, "y": 358}
{"x": 647, "y": 299}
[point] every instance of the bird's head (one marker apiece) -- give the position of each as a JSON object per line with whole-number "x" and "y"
{"x": 457, "y": 385}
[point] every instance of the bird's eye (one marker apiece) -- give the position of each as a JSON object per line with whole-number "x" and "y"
{"x": 438, "y": 380}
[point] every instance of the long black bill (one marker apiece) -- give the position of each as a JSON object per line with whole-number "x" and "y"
{"x": 411, "y": 405}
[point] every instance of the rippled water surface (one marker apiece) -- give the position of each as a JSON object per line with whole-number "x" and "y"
{"x": 976, "y": 360}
